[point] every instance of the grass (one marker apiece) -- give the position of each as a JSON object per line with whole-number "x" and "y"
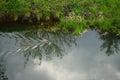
{"x": 71, "y": 15}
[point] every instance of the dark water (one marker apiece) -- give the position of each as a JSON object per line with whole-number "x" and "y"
{"x": 34, "y": 54}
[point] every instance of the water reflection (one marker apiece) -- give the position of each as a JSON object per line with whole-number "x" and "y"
{"x": 52, "y": 44}
{"x": 111, "y": 43}
{"x": 2, "y": 70}
{"x": 39, "y": 43}
{"x": 41, "y": 55}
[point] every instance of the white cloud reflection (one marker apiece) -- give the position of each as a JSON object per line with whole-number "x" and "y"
{"x": 58, "y": 72}
{"x": 71, "y": 67}
{"x": 82, "y": 63}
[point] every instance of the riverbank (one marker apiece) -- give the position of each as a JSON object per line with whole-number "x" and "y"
{"x": 69, "y": 15}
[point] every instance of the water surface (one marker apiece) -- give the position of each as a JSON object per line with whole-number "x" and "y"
{"x": 34, "y": 54}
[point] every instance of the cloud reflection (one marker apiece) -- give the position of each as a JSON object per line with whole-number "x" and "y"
{"x": 82, "y": 62}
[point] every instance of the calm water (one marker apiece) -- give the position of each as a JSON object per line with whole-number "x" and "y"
{"x": 34, "y": 54}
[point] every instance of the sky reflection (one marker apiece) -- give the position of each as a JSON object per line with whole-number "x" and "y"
{"x": 82, "y": 62}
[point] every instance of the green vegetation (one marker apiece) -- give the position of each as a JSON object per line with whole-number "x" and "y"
{"x": 71, "y": 15}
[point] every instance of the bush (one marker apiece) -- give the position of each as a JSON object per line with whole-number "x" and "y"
{"x": 71, "y": 14}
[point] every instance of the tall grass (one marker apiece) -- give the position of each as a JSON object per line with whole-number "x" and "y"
{"x": 72, "y": 15}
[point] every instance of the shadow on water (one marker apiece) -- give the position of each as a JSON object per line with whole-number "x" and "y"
{"x": 34, "y": 42}
{"x": 41, "y": 43}
{"x": 16, "y": 28}
{"x": 2, "y": 70}
{"x": 110, "y": 44}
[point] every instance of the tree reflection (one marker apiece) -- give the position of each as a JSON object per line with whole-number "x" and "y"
{"x": 110, "y": 43}
{"x": 2, "y": 69}
{"x": 44, "y": 44}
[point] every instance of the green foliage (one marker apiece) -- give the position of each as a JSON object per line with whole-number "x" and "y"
{"x": 104, "y": 24}
{"x": 73, "y": 22}
{"x": 2, "y": 7}
{"x": 73, "y": 14}
{"x": 16, "y": 6}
